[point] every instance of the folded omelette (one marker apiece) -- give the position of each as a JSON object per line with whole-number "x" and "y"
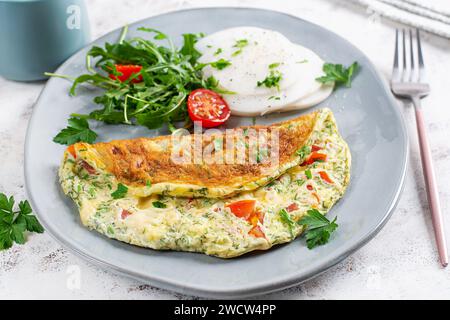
{"x": 134, "y": 190}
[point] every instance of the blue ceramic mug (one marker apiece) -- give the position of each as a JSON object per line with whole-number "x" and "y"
{"x": 38, "y": 35}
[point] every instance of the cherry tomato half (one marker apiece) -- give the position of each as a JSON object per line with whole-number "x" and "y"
{"x": 208, "y": 107}
{"x": 126, "y": 71}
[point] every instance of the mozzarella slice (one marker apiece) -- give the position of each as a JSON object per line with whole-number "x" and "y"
{"x": 262, "y": 52}
{"x": 311, "y": 100}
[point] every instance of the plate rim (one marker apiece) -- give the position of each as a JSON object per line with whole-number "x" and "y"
{"x": 246, "y": 290}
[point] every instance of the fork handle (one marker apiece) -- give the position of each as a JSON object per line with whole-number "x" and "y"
{"x": 430, "y": 182}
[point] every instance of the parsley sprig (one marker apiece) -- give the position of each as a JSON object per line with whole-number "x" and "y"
{"x": 77, "y": 130}
{"x": 159, "y": 204}
{"x": 318, "y": 228}
{"x": 15, "y": 222}
{"x": 338, "y": 74}
{"x": 303, "y": 151}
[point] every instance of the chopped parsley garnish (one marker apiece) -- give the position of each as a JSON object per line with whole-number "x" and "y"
{"x": 218, "y": 51}
{"x": 272, "y": 80}
{"x": 303, "y": 151}
{"x": 308, "y": 174}
{"x": 274, "y": 65}
{"x": 274, "y": 98}
{"x": 14, "y": 223}
{"x": 318, "y": 228}
{"x": 338, "y": 74}
{"x": 239, "y": 44}
{"x": 110, "y": 230}
{"x": 77, "y": 130}
{"x": 121, "y": 191}
{"x": 234, "y": 54}
{"x": 148, "y": 183}
{"x": 286, "y": 218}
{"x": 220, "y": 64}
{"x": 159, "y": 204}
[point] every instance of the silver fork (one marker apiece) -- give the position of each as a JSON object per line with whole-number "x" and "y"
{"x": 408, "y": 82}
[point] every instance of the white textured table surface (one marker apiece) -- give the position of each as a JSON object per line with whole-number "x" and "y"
{"x": 400, "y": 262}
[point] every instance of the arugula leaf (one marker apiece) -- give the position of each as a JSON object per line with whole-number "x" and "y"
{"x": 286, "y": 218}
{"x": 272, "y": 80}
{"x": 159, "y": 35}
{"x": 338, "y": 74}
{"x": 220, "y": 64}
{"x": 188, "y": 49}
{"x": 319, "y": 228}
{"x": 121, "y": 191}
{"x": 159, "y": 204}
{"x": 13, "y": 224}
{"x": 77, "y": 130}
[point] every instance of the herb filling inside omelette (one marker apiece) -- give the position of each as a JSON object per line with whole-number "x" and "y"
{"x": 223, "y": 227}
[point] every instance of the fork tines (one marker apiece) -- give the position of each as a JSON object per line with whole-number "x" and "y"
{"x": 405, "y": 69}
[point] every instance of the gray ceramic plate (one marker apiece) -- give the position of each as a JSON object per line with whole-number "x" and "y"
{"x": 368, "y": 120}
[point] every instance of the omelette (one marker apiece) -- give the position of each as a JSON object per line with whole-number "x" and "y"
{"x": 134, "y": 191}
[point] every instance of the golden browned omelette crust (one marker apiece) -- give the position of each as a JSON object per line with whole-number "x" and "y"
{"x": 143, "y": 161}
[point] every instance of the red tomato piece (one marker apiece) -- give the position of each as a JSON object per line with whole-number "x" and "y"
{"x": 325, "y": 177}
{"x": 292, "y": 207}
{"x": 310, "y": 187}
{"x": 315, "y": 156}
{"x": 71, "y": 150}
{"x": 126, "y": 71}
{"x": 207, "y": 107}
{"x": 315, "y": 148}
{"x": 243, "y": 208}
{"x": 257, "y": 232}
{"x": 125, "y": 214}
{"x": 260, "y": 216}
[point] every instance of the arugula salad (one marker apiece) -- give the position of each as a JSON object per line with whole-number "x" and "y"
{"x": 148, "y": 81}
